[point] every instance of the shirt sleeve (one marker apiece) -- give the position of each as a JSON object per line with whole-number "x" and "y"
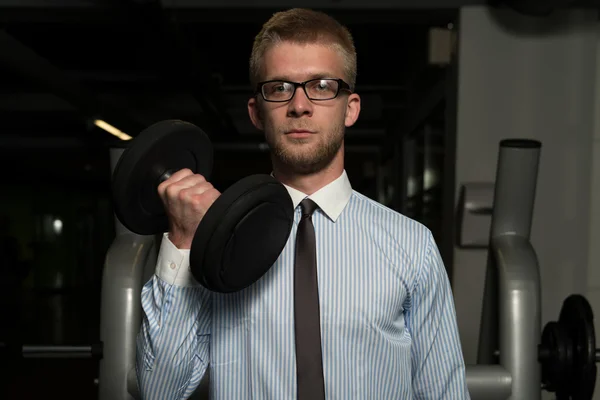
{"x": 438, "y": 367}
{"x": 172, "y": 348}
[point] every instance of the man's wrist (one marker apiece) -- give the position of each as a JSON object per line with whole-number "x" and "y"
{"x": 173, "y": 266}
{"x": 182, "y": 242}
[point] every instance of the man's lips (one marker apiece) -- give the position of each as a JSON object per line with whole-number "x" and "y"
{"x": 298, "y": 133}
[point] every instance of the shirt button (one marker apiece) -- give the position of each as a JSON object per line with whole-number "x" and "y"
{"x": 173, "y": 265}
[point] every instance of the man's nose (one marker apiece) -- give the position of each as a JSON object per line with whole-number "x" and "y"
{"x": 300, "y": 104}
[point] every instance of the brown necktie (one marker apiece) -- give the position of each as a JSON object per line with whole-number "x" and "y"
{"x": 309, "y": 360}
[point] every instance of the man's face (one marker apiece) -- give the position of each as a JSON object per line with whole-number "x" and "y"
{"x": 303, "y": 134}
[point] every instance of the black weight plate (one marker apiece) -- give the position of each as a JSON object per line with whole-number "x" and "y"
{"x": 242, "y": 234}
{"x": 556, "y": 360}
{"x": 577, "y": 319}
{"x": 169, "y": 145}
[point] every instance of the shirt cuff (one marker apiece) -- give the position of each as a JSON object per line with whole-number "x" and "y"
{"x": 173, "y": 265}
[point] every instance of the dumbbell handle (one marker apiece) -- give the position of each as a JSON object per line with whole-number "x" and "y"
{"x": 52, "y": 351}
{"x": 165, "y": 175}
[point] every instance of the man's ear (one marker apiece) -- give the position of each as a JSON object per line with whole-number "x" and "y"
{"x": 255, "y": 113}
{"x": 352, "y": 109}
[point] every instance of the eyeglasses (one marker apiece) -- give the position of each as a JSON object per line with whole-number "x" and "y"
{"x": 315, "y": 89}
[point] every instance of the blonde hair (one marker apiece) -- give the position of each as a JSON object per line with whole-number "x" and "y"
{"x": 304, "y": 26}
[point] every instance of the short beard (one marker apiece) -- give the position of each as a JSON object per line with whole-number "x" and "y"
{"x": 306, "y": 163}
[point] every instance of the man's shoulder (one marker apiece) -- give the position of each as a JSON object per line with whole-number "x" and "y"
{"x": 382, "y": 215}
{"x": 403, "y": 241}
{"x": 391, "y": 229}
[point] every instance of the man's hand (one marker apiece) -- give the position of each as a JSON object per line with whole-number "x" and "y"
{"x": 186, "y": 197}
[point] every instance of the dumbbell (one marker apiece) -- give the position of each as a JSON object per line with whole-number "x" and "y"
{"x": 241, "y": 235}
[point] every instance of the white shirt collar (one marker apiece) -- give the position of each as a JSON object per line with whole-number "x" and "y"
{"x": 331, "y": 198}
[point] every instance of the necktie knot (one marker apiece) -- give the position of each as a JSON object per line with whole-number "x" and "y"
{"x": 308, "y": 207}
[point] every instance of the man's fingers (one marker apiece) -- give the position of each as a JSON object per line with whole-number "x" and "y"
{"x": 179, "y": 180}
{"x": 179, "y": 175}
{"x": 188, "y": 193}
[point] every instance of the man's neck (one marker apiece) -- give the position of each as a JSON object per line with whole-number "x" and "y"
{"x": 309, "y": 183}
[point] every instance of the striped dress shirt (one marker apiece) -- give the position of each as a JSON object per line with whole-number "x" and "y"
{"x": 388, "y": 321}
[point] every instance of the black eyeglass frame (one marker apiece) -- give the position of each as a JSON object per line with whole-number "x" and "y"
{"x": 342, "y": 86}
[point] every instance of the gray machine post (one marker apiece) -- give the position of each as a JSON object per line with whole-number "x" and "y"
{"x": 129, "y": 263}
{"x": 511, "y": 314}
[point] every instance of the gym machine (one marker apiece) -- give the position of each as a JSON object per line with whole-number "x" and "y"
{"x": 516, "y": 360}
{"x": 130, "y": 261}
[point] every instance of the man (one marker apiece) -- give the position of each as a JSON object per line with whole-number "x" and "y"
{"x": 385, "y": 309}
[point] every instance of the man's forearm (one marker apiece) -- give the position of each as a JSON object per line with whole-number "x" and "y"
{"x": 172, "y": 346}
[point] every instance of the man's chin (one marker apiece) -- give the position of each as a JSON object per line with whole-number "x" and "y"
{"x": 298, "y": 141}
